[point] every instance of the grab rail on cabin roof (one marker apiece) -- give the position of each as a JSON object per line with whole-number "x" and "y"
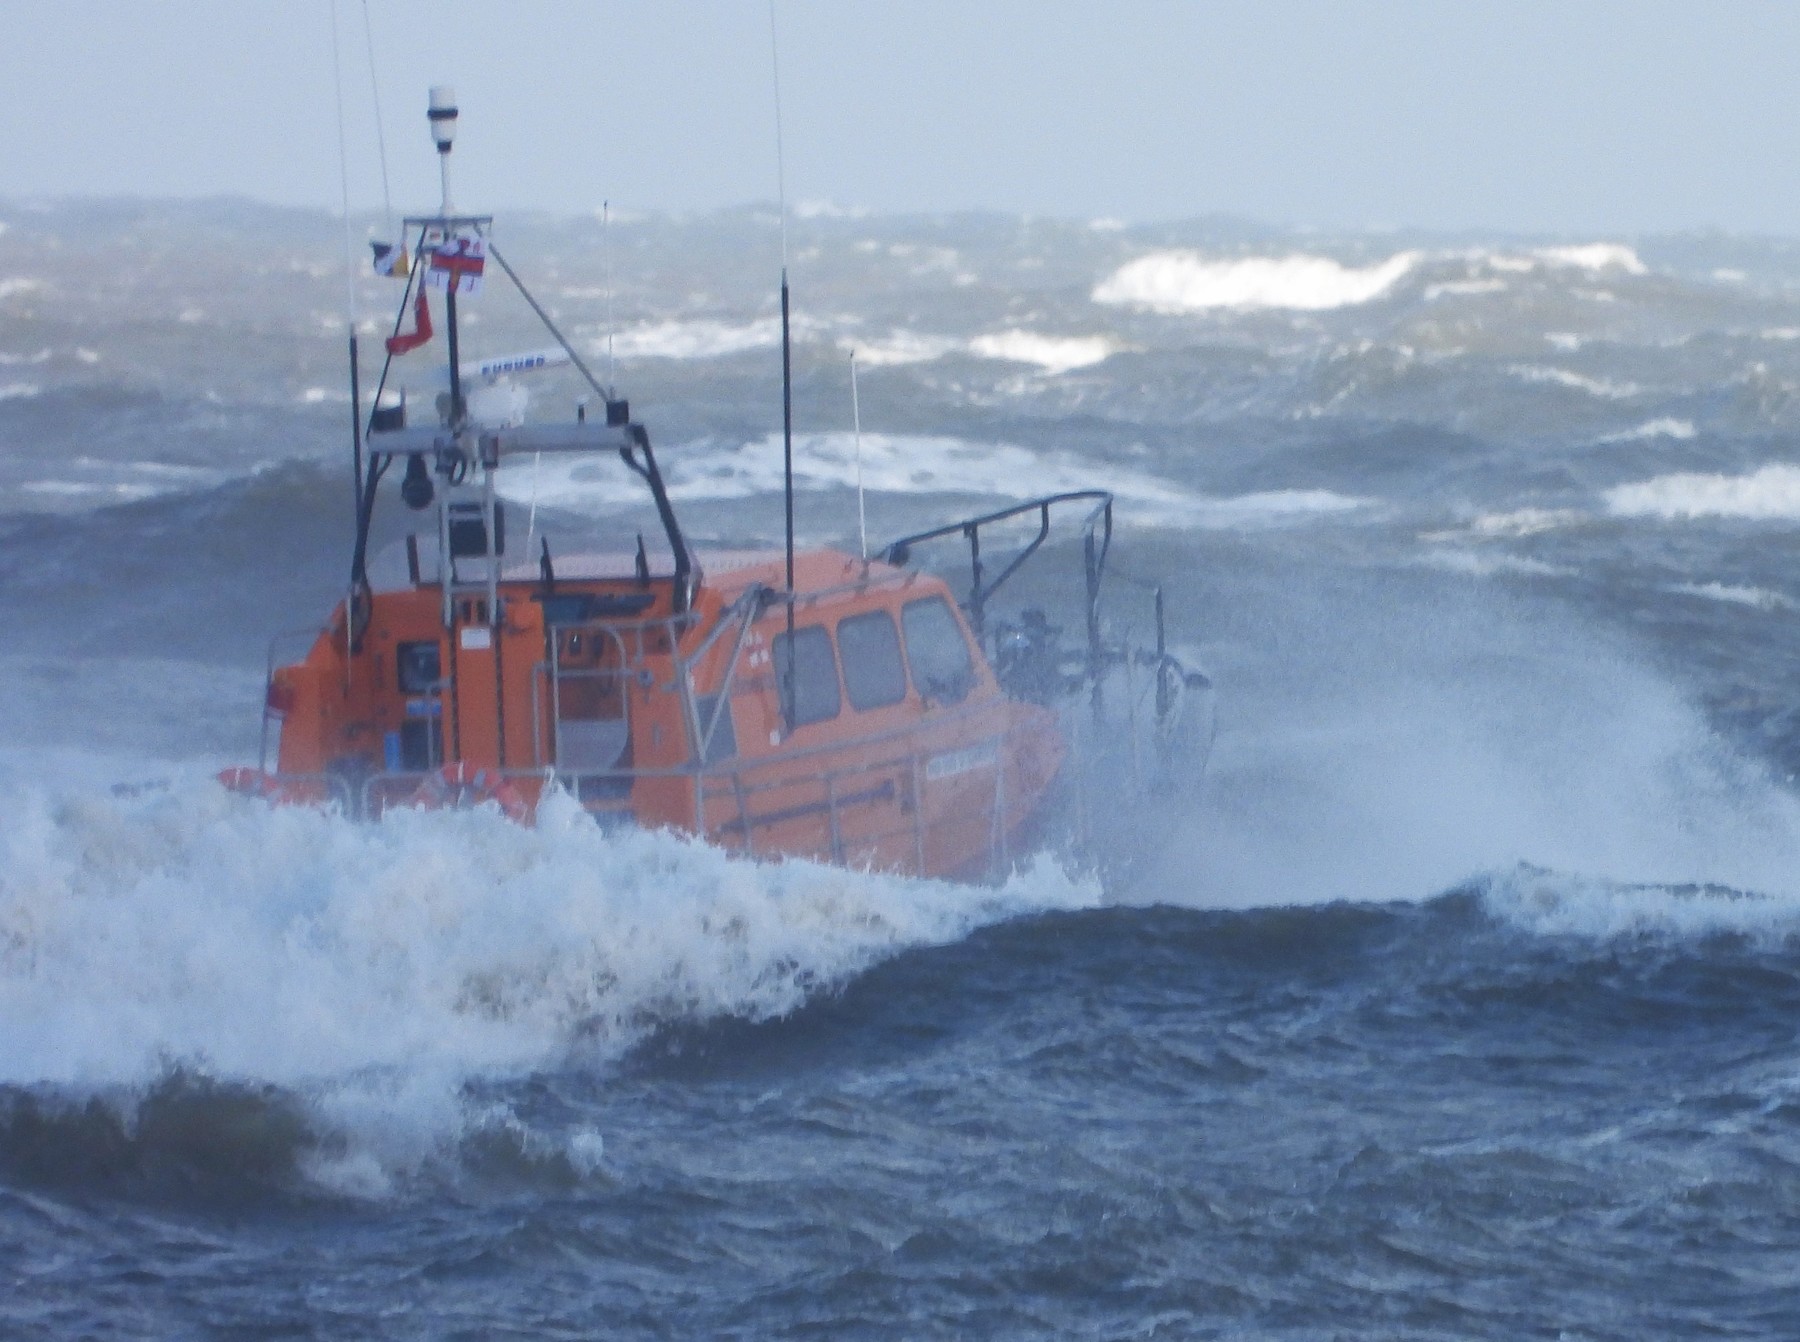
{"x": 1096, "y": 540}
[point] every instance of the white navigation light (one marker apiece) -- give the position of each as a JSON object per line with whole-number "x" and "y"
{"x": 443, "y": 116}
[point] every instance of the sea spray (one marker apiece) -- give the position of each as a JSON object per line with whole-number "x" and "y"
{"x": 377, "y": 970}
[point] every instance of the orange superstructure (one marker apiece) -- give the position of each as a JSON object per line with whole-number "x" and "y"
{"x": 901, "y": 752}
{"x": 773, "y": 703}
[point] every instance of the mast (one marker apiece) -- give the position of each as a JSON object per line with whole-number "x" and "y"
{"x": 442, "y": 113}
{"x": 787, "y": 374}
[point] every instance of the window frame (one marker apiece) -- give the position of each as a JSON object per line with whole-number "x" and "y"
{"x": 776, "y": 648}
{"x": 972, "y": 677}
{"x": 902, "y": 678}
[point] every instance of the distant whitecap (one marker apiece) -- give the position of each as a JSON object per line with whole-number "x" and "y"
{"x": 1186, "y": 281}
{"x": 1769, "y": 494}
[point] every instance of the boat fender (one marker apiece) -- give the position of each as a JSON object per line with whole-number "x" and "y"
{"x": 462, "y": 784}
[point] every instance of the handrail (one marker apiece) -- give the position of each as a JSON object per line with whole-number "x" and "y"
{"x": 1094, "y": 553}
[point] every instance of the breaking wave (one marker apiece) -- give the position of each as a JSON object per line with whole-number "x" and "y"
{"x": 1054, "y": 354}
{"x": 1177, "y": 282}
{"x": 1562, "y": 377}
{"x": 908, "y": 464}
{"x": 371, "y": 973}
{"x": 1547, "y": 903}
{"x": 1666, "y": 427}
{"x": 694, "y": 339}
{"x": 1769, "y": 494}
{"x": 1595, "y": 256}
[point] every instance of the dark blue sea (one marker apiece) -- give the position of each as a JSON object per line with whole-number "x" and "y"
{"x": 1454, "y": 997}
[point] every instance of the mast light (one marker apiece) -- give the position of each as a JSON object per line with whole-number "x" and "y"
{"x": 443, "y": 116}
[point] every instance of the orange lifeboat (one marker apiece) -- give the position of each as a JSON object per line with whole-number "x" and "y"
{"x": 821, "y": 704}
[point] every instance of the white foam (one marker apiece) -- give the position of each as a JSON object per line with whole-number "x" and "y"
{"x": 1519, "y": 522}
{"x": 113, "y": 491}
{"x": 902, "y": 347}
{"x": 907, "y": 464}
{"x": 1186, "y": 281}
{"x": 1547, "y": 903}
{"x": 1595, "y": 256}
{"x": 321, "y": 395}
{"x": 1562, "y": 377}
{"x": 1271, "y": 507}
{"x": 1479, "y": 564}
{"x": 702, "y": 339}
{"x": 14, "y": 360}
{"x": 1566, "y": 341}
{"x": 13, "y": 286}
{"x": 375, "y": 969}
{"x": 14, "y": 391}
{"x": 1760, "y": 598}
{"x": 1462, "y": 289}
{"x": 825, "y": 209}
{"x": 1769, "y": 494}
{"x": 1054, "y": 354}
{"x": 1665, "y": 427}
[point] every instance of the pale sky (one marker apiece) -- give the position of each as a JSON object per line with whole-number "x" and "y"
{"x": 1574, "y": 116}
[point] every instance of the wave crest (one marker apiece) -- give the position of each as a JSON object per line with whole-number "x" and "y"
{"x": 1177, "y": 282}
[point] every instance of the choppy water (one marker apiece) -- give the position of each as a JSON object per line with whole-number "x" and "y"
{"x": 1460, "y": 1004}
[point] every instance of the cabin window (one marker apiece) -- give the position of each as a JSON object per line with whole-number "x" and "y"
{"x": 939, "y": 655}
{"x": 723, "y": 744}
{"x": 420, "y": 666}
{"x": 869, "y": 646}
{"x": 814, "y": 670}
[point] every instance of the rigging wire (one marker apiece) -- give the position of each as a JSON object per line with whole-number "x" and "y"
{"x": 862, "y": 516}
{"x": 337, "y": 84}
{"x": 780, "y": 165}
{"x": 387, "y": 199}
{"x": 612, "y": 377}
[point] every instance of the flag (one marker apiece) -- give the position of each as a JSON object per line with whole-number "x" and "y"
{"x": 407, "y": 341}
{"x": 458, "y": 260}
{"x": 391, "y": 260}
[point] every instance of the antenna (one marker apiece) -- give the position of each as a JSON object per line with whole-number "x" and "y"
{"x": 787, "y": 374}
{"x": 356, "y": 446}
{"x": 612, "y": 375}
{"x": 780, "y": 164}
{"x": 862, "y": 516}
{"x": 387, "y": 198}
{"x": 440, "y": 112}
{"x": 337, "y": 86}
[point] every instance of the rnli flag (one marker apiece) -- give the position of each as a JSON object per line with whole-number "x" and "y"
{"x": 391, "y": 260}
{"x": 408, "y": 341}
{"x": 458, "y": 262}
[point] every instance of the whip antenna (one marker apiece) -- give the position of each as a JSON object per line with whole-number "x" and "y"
{"x": 356, "y": 453}
{"x": 787, "y": 375}
{"x": 337, "y": 88}
{"x": 612, "y": 376}
{"x": 862, "y": 516}
{"x": 387, "y": 199}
